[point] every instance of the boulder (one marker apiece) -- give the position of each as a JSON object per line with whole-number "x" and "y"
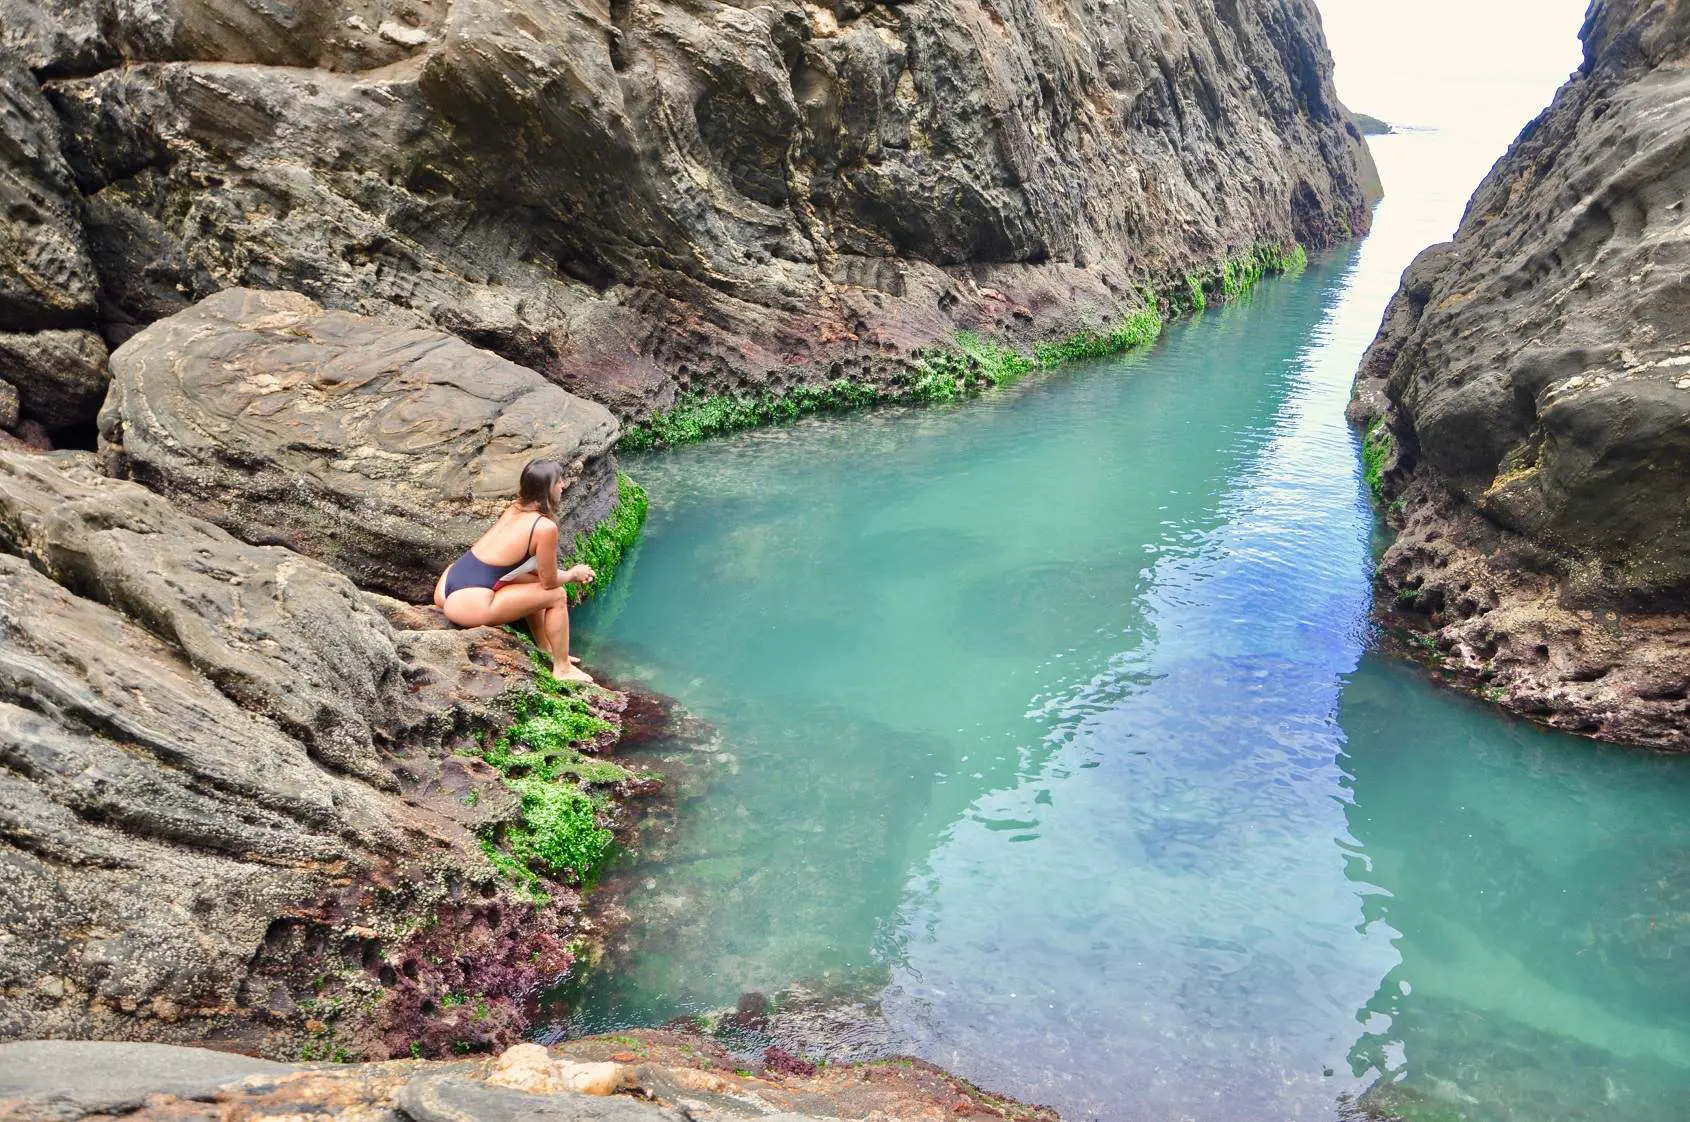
{"x": 383, "y": 451}
{"x": 60, "y": 377}
{"x": 150, "y": 828}
{"x": 652, "y": 198}
{"x": 1533, "y": 380}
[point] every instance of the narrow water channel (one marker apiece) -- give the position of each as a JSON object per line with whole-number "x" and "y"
{"x": 1051, "y": 720}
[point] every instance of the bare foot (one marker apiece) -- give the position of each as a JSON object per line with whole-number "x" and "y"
{"x": 573, "y": 674}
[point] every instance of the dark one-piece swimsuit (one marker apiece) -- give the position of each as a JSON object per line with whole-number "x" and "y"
{"x": 470, "y": 571}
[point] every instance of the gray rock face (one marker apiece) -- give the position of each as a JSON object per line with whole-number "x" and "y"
{"x": 672, "y": 1077}
{"x": 60, "y": 377}
{"x": 152, "y": 828}
{"x": 646, "y": 197}
{"x": 46, "y": 277}
{"x": 1538, "y": 370}
{"x": 225, "y": 777}
{"x": 383, "y": 451}
{"x": 49, "y": 362}
{"x": 278, "y": 634}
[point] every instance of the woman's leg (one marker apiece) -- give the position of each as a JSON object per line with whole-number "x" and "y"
{"x": 478, "y": 607}
{"x": 482, "y": 607}
{"x": 440, "y": 591}
{"x": 545, "y": 628}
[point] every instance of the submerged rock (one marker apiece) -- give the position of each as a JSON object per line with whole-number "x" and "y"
{"x": 647, "y": 198}
{"x": 1531, "y": 388}
{"x": 383, "y": 451}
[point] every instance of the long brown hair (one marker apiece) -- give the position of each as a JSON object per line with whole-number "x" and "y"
{"x": 535, "y": 489}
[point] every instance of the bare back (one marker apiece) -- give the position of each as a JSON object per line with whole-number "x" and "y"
{"x": 510, "y": 540}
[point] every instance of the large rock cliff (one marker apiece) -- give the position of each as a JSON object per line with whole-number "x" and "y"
{"x": 1529, "y": 397}
{"x": 641, "y": 197}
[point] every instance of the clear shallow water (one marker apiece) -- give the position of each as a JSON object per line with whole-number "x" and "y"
{"x": 1050, "y": 719}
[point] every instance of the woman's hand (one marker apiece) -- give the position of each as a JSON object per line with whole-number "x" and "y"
{"x": 580, "y": 574}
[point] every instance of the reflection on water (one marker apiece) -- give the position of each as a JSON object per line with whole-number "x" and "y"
{"x": 1538, "y": 891}
{"x": 1047, "y": 719}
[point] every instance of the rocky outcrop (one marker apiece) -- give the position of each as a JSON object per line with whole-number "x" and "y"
{"x": 1530, "y": 389}
{"x": 50, "y": 362}
{"x": 630, "y": 1077}
{"x": 643, "y": 197}
{"x": 229, "y": 805}
{"x": 383, "y": 451}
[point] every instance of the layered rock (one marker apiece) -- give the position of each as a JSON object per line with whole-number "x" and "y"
{"x": 1531, "y": 388}
{"x": 50, "y": 363}
{"x": 384, "y": 451}
{"x": 644, "y": 197}
{"x": 229, "y": 808}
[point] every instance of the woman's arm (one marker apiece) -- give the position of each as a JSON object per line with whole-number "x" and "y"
{"x": 545, "y": 554}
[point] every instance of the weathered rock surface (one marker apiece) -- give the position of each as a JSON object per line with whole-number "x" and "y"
{"x": 280, "y": 635}
{"x": 381, "y": 450}
{"x": 652, "y": 1076}
{"x": 60, "y": 377}
{"x": 642, "y": 197}
{"x": 52, "y": 366}
{"x": 46, "y": 277}
{"x": 1534, "y": 377}
{"x": 229, "y": 808}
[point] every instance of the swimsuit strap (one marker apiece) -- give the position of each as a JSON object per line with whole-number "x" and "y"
{"x": 528, "y": 550}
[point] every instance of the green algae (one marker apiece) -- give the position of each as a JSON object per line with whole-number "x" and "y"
{"x": 972, "y": 363}
{"x": 1375, "y": 451}
{"x": 540, "y": 760}
{"x": 607, "y": 544}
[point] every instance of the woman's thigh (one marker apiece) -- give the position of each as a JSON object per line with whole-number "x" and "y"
{"x": 479, "y": 607}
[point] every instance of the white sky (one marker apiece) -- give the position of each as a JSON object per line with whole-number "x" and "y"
{"x": 1443, "y": 62}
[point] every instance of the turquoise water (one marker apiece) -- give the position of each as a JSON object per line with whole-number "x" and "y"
{"x": 1050, "y": 721}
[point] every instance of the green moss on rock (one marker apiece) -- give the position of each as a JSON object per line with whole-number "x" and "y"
{"x": 606, "y": 545}
{"x": 1375, "y": 452}
{"x": 972, "y": 364}
{"x": 540, "y": 758}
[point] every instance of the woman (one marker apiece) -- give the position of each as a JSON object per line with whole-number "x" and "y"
{"x": 475, "y": 591}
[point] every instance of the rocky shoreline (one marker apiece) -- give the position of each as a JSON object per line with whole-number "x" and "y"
{"x": 1527, "y": 409}
{"x": 247, "y": 802}
{"x": 643, "y": 1076}
{"x": 288, "y": 296}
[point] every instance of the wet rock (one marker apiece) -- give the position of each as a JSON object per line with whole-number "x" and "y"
{"x": 1500, "y": 625}
{"x": 1534, "y": 378}
{"x": 383, "y": 451}
{"x": 649, "y": 198}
